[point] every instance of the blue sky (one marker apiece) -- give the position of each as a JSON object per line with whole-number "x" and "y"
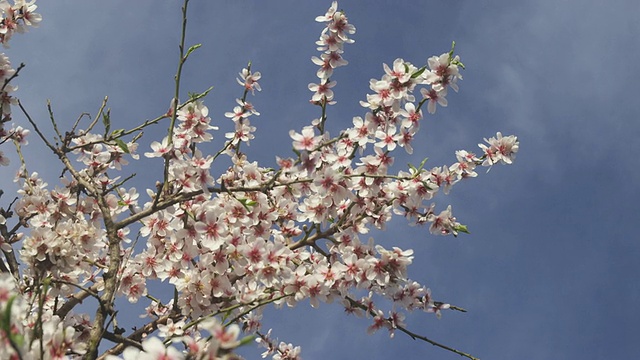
{"x": 551, "y": 269}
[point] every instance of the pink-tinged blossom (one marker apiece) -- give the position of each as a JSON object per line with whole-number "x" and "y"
{"x": 329, "y": 42}
{"x": 396, "y": 320}
{"x": 435, "y": 97}
{"x": 243, "y": 132}
{"x": 248, "y": 107}
{"x": 242, "y": 111}
{"x": 406, "y": 137}
{"x": 396, "y": 260}
{"x": 287, "y": 352}
{"x": 322, "y": 91}
{"x": 225, "y": 337}
{"x": 443, "y": 178}
{"x": 437, "y": 308}
{"x": 335, "y": 59}
{"x": 237, "y": 114}
{"x": 340, "y": 26}
{"x": 150, "y": 261}
{"x": 6, "y": 71}
{"x": 307, "y": 140}
{"x": 152, "y": 349}
{"x": 20, "y": 134}
{"x": 27, "y": 11}
{"x": 286, "y": 164}
{"x": 340, "y": 159}
{"x": 6, "y": 100}
{"x": 369, "y": 165}
{"x": 129, "y": 197}
{"x": 249, "y": 80}
{"x": 328, "y": 16}
{"x": 314, "y": 209}
{"x": 361, "y": 131}
{"x": 411, "y": 117}
{"x": 398, "y": 71}
{"x": 171, "y": 329}
{"x": 377, "y": 271}
{"x": 133, "y": 286}
{"x": 193, "y": 111}
{"x": 383, "y": 95}
{"x": 330, "y": 183}
{"x": 57, "y": 339}
{"x": 316, "y": 290}
{"x": 324, "y": 61}
{"x": 466, "y": 164}
{"x": 194, "y": 125}
{"x": 159, "y": 149}
{"x": 444, "y": 72}
{"x": 444, "y": 223}
{"x": 212, "y": 229}
{"x": 379, "y": 322}
{"x": 387, "y": 138}
{"x": 352, "y": 309}
{"x": 383, "y": 157}
{"x": 500, "y": 150}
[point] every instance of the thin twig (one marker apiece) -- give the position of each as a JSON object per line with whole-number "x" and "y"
{"x": 35, "y": 127}
{"x": 415, "y": 336}
{"x": 15, "y": 75}
{"x": 176, "y": 97}
{"x": 411, "y": 334}
{"x": 136, "y": 337}
{"x": 95, "y": 120}
{"x": 77, "y": 298}
{"x": 53, "y": 121}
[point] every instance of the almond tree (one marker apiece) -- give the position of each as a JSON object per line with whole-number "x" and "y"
{"x": 226, "y": 244}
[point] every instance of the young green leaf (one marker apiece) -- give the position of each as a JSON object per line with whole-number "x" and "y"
{"x": 247, "y": 340}
{"x": 419, "y": 72}
{"x": 122, "y": 145}
{"x": 191, "y": 49}
{"x": 462, "y": 228}
{"x": 424, "y": 161}
{"x": 106, "y": 121}
{"x": 116, "y": 133}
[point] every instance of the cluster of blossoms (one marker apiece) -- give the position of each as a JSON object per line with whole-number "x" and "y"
{"x": 17, "y": 18}
{"x": 18, "y": 319}
{"x": 14, "y": 304}
{"x": 207, "y": 340}
{"x": 14, "y": 18}
{"x": 241, "y": 113}
{"x": 331, "y": 43}
{"x": 232, "y": 243}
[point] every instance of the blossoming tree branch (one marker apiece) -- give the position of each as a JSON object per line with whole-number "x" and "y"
{"x": 225, "y": 245}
